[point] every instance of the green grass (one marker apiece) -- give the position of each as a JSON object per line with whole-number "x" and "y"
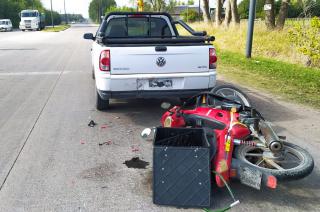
{"x": 57, "y": 28}
{"x": 269, "y": 44}
{"x": 291, "y": 81}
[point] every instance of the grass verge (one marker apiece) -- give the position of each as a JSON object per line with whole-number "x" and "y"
{"x": 291, "y": 81}
{"x": 269, "y": 44}
{"x": 57, "y": 28}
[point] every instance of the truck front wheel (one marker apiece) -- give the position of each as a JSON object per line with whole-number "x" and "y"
{"x": 101, "y": 104}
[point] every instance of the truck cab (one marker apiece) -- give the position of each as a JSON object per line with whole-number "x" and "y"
{"x": 31, "y": 20}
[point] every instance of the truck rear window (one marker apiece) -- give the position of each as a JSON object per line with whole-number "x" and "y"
{"x": 136, "y": 27}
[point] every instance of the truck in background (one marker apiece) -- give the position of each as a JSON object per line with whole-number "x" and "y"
{"x": 31, "y": 20}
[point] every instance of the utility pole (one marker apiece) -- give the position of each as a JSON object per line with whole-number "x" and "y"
{"x": 252, "y": 14}
{"x": 51, "y": 15}
{"x": 65, "y": 13}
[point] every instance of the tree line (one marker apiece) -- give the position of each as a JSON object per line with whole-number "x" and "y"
{"x": 227, "y": 12}
{"x": 10, "y": 9}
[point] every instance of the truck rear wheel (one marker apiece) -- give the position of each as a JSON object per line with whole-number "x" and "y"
{"x": 101, "y": 104}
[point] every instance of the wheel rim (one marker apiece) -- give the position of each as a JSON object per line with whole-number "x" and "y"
{"x": 234, "y": 95}
{"x": 262, "y": 158}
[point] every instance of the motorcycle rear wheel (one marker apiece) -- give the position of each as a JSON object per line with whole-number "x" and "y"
{"x": 299, "y": 166}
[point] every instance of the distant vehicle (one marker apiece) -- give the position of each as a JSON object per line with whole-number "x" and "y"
{"x": 31, "y": 20}
{"x": 5, "y": 25}
{"x": 73, "y": 22}
{"x": 141, "y": 55}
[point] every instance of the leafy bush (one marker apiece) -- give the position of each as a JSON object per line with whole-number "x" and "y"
{"x": 190, "y": 16}
{"x": 307, "y": 40}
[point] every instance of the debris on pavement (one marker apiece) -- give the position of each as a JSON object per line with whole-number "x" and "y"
{"x": 105, "y": 143}
{"x": 92, "y": 123}
{"x": 135, "y": 148}
{"x": 136, "y": 163}
{"x": 104, "y": 126}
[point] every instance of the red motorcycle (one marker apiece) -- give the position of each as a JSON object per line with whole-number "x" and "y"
{"x": 245, "y": 146}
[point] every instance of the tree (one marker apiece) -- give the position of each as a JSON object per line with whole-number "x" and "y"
{"x": 190, "y": 16}
{"x": 218, "y": 12}
{"x": 234, "y": 12}
{"x": 227, "y": 17}
{"x": 120, "y": 9}
{"x": 97, "y": 8}
{"x": 205, "y": 11}
{"x": 55, "y": 15}
{"x": 171, "y": 6}
{"x": 157, "y": 5}
{"x": 270, "y": 15}
{"x": 283, "y": 13}
{"x": 243, "y": 9}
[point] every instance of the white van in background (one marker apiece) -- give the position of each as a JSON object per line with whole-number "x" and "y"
{"x": 5, "y": 25}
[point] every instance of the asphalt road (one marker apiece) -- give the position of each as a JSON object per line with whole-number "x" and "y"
{"x": 50, "y": 160}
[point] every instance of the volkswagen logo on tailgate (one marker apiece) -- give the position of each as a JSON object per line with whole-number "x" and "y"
{"x": 161, "y": 61}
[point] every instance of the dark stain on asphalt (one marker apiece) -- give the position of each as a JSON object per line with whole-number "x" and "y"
{"x": 101, "y": 172}
{"x": 136, "y": 163}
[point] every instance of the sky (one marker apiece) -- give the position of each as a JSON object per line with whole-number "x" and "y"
{"x": 78, "y": 6}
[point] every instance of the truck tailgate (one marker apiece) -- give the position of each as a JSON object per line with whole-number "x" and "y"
{"x": 146, "y": 60}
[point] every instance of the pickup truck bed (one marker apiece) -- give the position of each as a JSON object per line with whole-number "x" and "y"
{"x": 141, "y": 55}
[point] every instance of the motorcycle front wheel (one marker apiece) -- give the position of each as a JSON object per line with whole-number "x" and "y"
{"x": 291, "y": 164}
{"x": 233, "y": 93}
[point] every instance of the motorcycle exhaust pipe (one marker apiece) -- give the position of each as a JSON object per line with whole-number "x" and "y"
{"x": 273, "y": 141}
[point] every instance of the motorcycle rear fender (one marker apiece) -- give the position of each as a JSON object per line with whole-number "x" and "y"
{"x": 268, "y": 180}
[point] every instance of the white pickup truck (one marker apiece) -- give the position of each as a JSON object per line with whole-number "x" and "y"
{"x": 142, "y": 55}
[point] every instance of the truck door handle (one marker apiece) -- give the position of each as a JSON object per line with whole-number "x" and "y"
{"x": 161, "y": 48}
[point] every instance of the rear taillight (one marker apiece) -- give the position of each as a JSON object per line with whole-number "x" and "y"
{"x": 212, "y": 58}
{"x": 105, "y": 60}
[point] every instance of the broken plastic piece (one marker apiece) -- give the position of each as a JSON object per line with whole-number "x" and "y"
{"x": 92, "y": 123}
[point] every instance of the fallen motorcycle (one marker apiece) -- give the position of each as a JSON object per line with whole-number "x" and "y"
{"x": 244, "y": 144}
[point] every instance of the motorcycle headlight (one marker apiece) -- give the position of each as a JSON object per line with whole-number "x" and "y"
{"x": 168, "y": 122}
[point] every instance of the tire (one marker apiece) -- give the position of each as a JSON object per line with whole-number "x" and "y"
{"x": 101, "y": 104}
{"x": 226, "y": 90}
{"x": 303, "y": 169}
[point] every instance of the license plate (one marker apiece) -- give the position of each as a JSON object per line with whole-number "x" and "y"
{"x": 250, "y": 177}
{"x": 160, "y": 83}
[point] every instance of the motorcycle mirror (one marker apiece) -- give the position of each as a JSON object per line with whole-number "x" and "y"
{"x": 147, "y": 133}
{"x": 165, "y": 105}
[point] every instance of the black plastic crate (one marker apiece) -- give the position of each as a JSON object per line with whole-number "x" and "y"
{"x": 181, "y": 168}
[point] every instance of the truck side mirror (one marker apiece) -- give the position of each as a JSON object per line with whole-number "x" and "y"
{"x": 88, "y": 36}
